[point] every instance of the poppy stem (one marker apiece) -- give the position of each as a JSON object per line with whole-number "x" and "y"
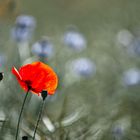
{"x": 21, "y": 113}
{"x": 39, "y": 117}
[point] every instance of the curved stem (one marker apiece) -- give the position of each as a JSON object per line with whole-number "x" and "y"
{"x": 21, "y": 114}
{"x": 39, "y": 117}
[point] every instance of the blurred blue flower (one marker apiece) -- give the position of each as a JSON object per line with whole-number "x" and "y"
{"x": 83, "y": 67}
{"x": 134, "y": 48}
{"x": 131, "y": 77}
{"x": 23, "y": 29}
{"x": 74, "y": 39}
{"x": 118, "y": 132}
{"x": 125, "y": 37}
{"x": 43, "y": 48}
{"x": 26, "y": 20}
{"x": 131, "y": 42}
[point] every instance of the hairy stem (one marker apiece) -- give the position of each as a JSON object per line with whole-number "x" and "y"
{"x": 39, "y": 117}
{"x": 22, "y": 108}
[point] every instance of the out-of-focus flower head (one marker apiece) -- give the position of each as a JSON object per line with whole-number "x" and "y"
{"x": 130, "y": 41}
{"x": 24, "y": 27}
{"x": 121, "y": 127}
{"x": 74, "y": 39}
{"x": 131, "y": 77}
{"x": 134, "y": 48}
{"x": 43, "y": 48}
{"x": 118, "y": 132}
{"x": 125, "y": 37}
{"x": 82, "y": 67}
{"x": 78, "y": 69}
{"x": 37, "y": 77}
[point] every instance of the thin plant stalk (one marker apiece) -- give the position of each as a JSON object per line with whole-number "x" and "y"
{"x": 22, "y": 108}
{"x": 39, "y": 117}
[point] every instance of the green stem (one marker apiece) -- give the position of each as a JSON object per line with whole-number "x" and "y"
{"x": 21, "y": 114}
{"x": 39, "y": 117}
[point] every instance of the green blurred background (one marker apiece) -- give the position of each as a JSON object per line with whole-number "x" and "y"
{"x": 95, "y": 108}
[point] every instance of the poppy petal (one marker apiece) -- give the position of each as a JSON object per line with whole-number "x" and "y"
{"x": 38, "y": 76}
{"x": 16, "y": 73}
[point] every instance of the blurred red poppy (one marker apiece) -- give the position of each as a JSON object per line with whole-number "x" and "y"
{"x": 36, "y": 77}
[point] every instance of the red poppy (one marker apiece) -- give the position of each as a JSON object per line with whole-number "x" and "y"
{"x": 36, "y": 77}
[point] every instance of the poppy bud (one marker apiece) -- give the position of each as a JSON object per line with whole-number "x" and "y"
{"x": 24, "y": 138}
{"x": 44, "y": 94}
{"x": 1, "y": 75}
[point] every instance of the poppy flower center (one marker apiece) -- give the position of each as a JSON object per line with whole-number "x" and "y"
{"x": 28, "y": 83}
